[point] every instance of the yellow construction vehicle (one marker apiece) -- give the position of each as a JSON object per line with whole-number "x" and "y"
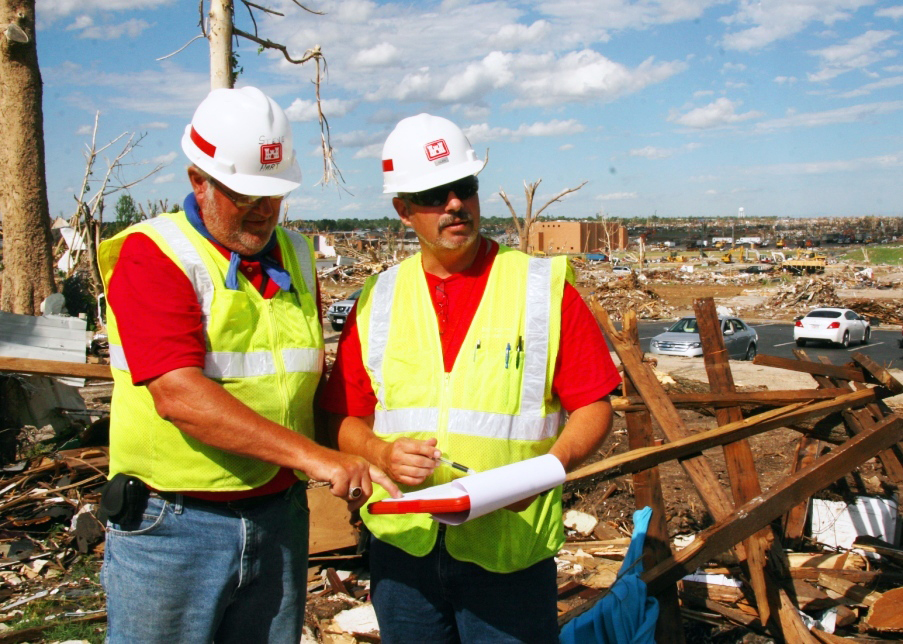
{"x": 739, "y": 254}
{"x": 805, "y": 261}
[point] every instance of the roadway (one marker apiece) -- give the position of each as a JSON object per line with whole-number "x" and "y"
{"x": 776, "y": 339}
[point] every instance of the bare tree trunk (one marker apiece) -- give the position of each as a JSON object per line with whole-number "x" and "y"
{"x": 27, "y": 253}
{"x": 220, "y": 35}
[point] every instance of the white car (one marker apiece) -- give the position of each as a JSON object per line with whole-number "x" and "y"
{"x": 337, "y": 313}
{"x": 621, "y": 270}
{"x": 840, "y": 326}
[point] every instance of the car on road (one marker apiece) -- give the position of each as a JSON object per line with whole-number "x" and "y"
{"x": 840, "y": 326}
{"x": 682, "y": 339}
{"x": 337, "y": 313}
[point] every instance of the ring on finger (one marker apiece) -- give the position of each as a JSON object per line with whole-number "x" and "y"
{"x": 355, "y": 493}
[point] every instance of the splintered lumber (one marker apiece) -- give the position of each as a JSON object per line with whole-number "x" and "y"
{"x": 738, "y": 457}
{"x": 879, "y": 373}
{"x": 645, "y": 457}
{"x": 831, "y": 371}
{"x": 756, "y": 514}
{"x": 775, "y": 398}
{"x": 55, "y": 368}
{"x": 647, "y": 490}
{"x": 849, "y": 590}
{"x": 650, "y": 389}
{"x": 886, "y": 614}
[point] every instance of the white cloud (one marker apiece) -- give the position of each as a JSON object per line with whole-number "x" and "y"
{"x": 851, "y": 114}
{"x": 84, "y": 130}
{"x": 81, "y": 22}
{"x": 566, "y": 146}
{"x": 884, "y": 83}
{"x": 785, "y": 80}
{"x": 617, "y": 196}
{"x": 164, "y": 178}
{"x": 829, "y": 167}
{"x": 378, "y": 56}
{"x": 583, "y": 76}
{"x": 858, "y": 52}
{"x": 764, "y": 22}
{"x": 514, "y": 36}
{"x": 483, "y": 132}
{"x": 650, "y": 152}
{"x": 372, "y": 151}
{"x": 165, "y": 159}
{"x": 895, "y": 13}
{"x": 414, "y": 86}
{"x": 479, "y": 78}
{"x": 718, "y": 114}
{"x": 302, "y": 110}
{"x": 131, "y": 28}
{"x": 52, "y": 9}
{"x": 154, "y": 125}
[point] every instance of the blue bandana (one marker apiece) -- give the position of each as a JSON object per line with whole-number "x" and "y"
{"x": 268, "y": 263}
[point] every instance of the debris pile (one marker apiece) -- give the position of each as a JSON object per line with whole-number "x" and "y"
{"x": 626, "y": 294}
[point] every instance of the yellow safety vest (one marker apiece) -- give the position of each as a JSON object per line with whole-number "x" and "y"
{"x": 268, "y": 353}
{"x": 495, "y": 407}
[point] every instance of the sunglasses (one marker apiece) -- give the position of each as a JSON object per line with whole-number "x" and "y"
{"x": 240, "y": 201}
{"x": 463, "y": 188}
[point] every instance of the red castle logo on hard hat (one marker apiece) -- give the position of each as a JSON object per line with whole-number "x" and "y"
{"x": 436, "y": 149}
{"x": 271, "y": 153}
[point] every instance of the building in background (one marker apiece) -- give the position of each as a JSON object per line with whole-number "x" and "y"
{"x": 576, "y": 237}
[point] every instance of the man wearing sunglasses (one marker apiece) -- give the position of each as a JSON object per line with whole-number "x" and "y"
{"x": 475, "y": 353}
{"x": 216, "y": 350}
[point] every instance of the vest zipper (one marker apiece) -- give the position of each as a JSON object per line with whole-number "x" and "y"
{"x": 442, "y": 422}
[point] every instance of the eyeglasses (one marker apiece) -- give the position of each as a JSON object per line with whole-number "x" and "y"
{"x": 463, "y": 188}
{"x": 240, "y": 201}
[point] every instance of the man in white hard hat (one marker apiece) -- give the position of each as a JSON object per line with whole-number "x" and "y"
{"x": 472, "y": 352}
{"x": 216, "y": 349}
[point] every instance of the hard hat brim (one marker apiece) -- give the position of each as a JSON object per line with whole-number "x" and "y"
{"x": 436, "y": 179}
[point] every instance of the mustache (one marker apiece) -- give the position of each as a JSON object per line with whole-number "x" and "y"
{"x": 450, "y": 220}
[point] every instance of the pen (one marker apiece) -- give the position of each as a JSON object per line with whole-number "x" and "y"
{"x": 457, "y": 466}
{"x": 520, "y": 350}
{"x": 507, "y": 354}
{"x": 475, "y": 351}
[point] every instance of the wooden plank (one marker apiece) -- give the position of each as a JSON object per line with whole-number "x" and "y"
{"x": 776, "y": 398}
{"x": 55, "y": 368}
{"x": 645, "y": 457}
{"x": 879, "y": 373}
{"x": 647, "y": 490}
{"x": 886, "y": 614}
{"x": 831, "y": 371}
{"x": 330, "y": 522}
{"x": 856, "y": 593}
{"x": 738, "y": 458}
{"x": 807, "y": 450}
{"x": 756, "y": 514}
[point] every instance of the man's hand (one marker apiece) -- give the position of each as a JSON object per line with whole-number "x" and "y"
{"x": 347, "y": 473}
{"x": 407, "y": 460}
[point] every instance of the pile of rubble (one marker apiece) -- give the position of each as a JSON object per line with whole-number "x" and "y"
{"x": 624, "y": 293}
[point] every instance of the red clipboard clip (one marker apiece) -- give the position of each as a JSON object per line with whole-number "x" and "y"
{"x": 420, "y": 506}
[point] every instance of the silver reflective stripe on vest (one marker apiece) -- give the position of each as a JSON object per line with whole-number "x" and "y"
{"x": 400, "y": 421}
{"x": 536, "y": 340}
{"x": 380, "y": 318}
{"x": 302, "y": 252}
{"x": 117, "y": 358}
{"x": 191, "y": 261}
{"x": 481, "y": 423}
{"x": 231, "y": 364}
{"x": 303, "y": 360}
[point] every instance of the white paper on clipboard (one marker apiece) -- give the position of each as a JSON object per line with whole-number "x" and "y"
{"x": 496, "y": 488}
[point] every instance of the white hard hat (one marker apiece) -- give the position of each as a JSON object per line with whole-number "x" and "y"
{"x": 243, "y": 139}
{"x": 426, "y": 151}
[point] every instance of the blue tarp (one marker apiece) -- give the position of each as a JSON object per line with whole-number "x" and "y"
{"x": 625, "y": 615}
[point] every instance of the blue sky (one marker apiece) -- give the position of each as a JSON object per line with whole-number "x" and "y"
{"x": 671, "y": 107}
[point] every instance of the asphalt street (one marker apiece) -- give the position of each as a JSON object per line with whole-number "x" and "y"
{"x": 776, "y": 339}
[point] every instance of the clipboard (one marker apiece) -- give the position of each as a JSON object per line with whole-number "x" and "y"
{"x": 420, "y": 506}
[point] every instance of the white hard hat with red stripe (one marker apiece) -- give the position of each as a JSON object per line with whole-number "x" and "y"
{"x": 426, "y": 151}
{"x": 243, "y": 139}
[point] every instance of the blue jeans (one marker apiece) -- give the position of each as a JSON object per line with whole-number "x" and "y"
{"x": 438, "y": 599}
{"x": 192, "y": 571}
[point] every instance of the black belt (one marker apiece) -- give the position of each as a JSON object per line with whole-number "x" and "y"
{"x": 248, "y": 503}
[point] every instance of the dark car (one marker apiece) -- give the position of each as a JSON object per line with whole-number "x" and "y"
{"x": 756, "y": 269}
{"x": 337, "y": 313}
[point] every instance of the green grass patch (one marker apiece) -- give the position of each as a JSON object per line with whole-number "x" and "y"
{"x": 891, "y": 255}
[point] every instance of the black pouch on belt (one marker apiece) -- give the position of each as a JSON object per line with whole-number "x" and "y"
{"x": 122, "y": 499}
